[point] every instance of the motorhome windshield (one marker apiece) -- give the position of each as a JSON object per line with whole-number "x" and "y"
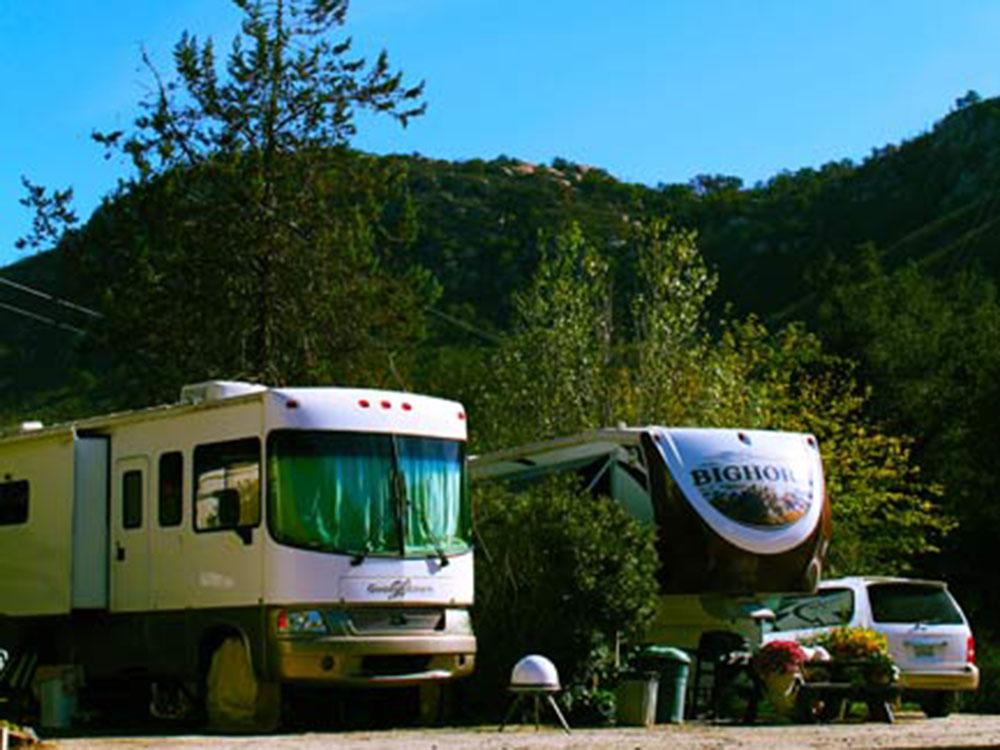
{"x": 366, "y": 493}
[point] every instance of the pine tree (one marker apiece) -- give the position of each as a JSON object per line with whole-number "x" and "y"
{"x": 250, "y": 241}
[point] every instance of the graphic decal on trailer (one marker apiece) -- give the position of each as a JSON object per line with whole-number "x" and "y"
{"x": 754, "y": 490}
{"x": 760, "y": 491}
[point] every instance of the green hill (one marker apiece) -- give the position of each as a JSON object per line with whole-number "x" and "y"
{"x": 932, "y": 200}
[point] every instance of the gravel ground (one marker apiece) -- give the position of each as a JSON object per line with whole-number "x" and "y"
{"x": 909, "y": 731}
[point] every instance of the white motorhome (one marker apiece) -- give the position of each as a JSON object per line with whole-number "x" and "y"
{"x": 244, "y": 538}
{"x": 738, "y": 512}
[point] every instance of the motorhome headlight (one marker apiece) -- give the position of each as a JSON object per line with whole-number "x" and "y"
{"x": 300, "y": 622}
{"x": 457, "y": 621}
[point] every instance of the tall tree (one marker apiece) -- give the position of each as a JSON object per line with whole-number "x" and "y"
{"x": 549, "y": 375}
{"x": 668, "y": 313}
{"x": 250, "y": 241}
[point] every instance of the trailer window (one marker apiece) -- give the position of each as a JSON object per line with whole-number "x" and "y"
{"x": 171, "y": 484}
{"x": 227, "y": 485}
{"x": 132, "y": 499}
{"x": 14, "y": 502}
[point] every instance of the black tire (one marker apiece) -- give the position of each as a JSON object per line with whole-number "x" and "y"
{"x": 236, "y": 699}
{"x": 939, "y": 703}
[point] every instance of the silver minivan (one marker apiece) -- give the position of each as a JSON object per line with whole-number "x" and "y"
{"x": 928, "y": 635}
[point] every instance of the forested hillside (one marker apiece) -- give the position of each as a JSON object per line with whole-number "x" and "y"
{"x": 585, "y": 297}
{"x": 933, "y": 200}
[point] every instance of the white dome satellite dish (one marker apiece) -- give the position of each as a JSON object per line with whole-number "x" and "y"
{"x": 535, "y": 677}
{"x": 534, "y": 672}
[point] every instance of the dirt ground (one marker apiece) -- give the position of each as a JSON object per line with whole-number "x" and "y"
{"x": 909, "y": 731}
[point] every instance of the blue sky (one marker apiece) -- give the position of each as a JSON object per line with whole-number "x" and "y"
{"x": 650, "y": 90}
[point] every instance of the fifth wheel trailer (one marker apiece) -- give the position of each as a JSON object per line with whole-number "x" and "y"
{"x": 243, "y": 539}
{"x": 738, "y": 513}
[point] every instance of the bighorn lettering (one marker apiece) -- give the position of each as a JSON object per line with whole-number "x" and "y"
{"x": 742, "y": 473}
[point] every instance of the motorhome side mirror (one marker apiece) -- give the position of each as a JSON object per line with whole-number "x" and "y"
{"x": 245, "y": 533}
{"x": 229, "y": 508}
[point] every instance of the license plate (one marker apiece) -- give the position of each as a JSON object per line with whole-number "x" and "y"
{"x": 923, "y": 650}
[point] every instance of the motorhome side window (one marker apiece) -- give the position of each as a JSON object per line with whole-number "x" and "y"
{"x": 227, "y": 485}
{"x": 13, "y": 502}
{"x": 132, "y": 499}
{"x": 171, "y": 486}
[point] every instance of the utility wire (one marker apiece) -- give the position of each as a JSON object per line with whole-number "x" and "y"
{"x": 41, "y": 318}
{"x": 462, "y": 324}
{"x": 492, "y": 338}
{"x": 50, "y": 298}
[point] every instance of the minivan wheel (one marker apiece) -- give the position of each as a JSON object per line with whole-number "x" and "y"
{"x": 939, "y": 704}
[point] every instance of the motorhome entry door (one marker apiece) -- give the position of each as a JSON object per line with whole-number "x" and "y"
{"x": 130, "y": 524}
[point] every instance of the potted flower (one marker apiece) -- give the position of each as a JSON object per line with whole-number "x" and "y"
{"x": 778, "y": 664}
{"x": 862, "y": 655}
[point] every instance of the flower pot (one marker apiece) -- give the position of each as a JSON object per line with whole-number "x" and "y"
{"x": 780, "y": 689}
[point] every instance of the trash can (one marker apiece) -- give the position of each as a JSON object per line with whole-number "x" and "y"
{"x": 57, "y": 685}
{"x": 673, "y": 665}
{"x": 635, "y": 699}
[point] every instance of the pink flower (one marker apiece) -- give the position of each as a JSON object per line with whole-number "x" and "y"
{"x": 778, "y": 657}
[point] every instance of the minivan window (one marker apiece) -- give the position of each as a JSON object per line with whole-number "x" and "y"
{"x": 908, "y": 602}
{"x": 826, "y": 608}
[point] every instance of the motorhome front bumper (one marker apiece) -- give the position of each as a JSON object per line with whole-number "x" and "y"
{"x": 372, "y": 661}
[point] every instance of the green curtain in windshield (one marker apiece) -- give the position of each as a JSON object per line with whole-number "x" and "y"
{"x": 432, "y": 470}
{"x": 332, "y": 492}
{"x": 336, "y": 491}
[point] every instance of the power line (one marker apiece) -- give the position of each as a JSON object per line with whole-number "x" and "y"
{"x": 41, "y": 318}
{"x": 51, "y": 298}
{"x": 493, "y": 339}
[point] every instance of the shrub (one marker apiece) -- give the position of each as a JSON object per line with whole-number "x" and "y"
{"x": 562, "y": 574}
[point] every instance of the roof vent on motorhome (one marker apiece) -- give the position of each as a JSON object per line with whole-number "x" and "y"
{"x": 216, "y": 390}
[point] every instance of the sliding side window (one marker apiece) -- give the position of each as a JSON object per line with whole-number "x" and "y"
{"x": 227, "y": 485}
